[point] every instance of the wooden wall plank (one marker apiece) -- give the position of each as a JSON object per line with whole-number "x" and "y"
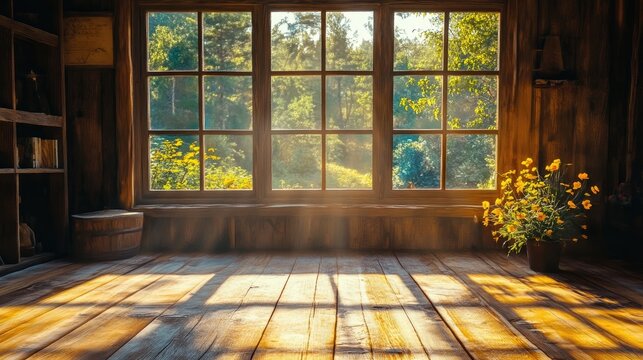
{"x": 90, "y": 127}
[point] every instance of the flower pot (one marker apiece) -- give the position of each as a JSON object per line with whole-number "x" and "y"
{"x": 544, "y": 256}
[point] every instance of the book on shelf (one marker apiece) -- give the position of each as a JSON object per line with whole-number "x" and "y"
{"x": 35, "y": 152}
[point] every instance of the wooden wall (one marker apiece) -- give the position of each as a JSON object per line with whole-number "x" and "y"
{"x": 582, "y": 123}
{"x": 214, "y": 233}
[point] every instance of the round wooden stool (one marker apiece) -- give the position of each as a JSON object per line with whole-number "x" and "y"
{"x": 106, "y": 234}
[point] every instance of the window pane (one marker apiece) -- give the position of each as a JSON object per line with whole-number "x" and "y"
{"x": 349, "y": 40}
{"x": 228, "y": 162}
{"x": 349, "y": 102}
{"x": 174, "y": 102}
{"x": 473, "y": 41}
{"x": 473, "y": 102}
{"x": 416, "y": 161}
{"x": 296, "y": 102}
{"x": 172, "y": 41}
{"x": 417, "y": 102}
{"x": 296, "y": 41}
{"x": 174, "y": 162}
{"x": 227, "y": 41}
{"x": 419, "y": 41}
{"x": 296, "y": 162}
{"x": 349, "y": 161}
{"x": 471, "y": 161}
{"x": 228, "y": 102}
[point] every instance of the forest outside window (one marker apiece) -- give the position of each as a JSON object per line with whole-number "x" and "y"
{"x": 199, "y": 81}
{"x": 315, "y": 124}
{"x": 322, "y": 100}
{"x": 445, "y": 97}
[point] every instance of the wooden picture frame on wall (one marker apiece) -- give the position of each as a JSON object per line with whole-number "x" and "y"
{"x": 89, "y": 41}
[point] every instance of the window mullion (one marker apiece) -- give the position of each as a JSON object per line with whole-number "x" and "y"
{"x": 323, "y": 99}
{"x": 201, "y": 104}
{"x": 261, "y": 113}
{"x": 445, "y": 95}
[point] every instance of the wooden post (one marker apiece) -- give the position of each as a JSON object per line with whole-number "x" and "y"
{"x": 124, "y": 104}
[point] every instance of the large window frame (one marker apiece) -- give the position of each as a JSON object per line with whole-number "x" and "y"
{"x": 382, "y": 191}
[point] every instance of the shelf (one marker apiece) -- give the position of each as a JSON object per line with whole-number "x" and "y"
{"x": 40, "y": 171}
{"x": 25, "y": 262}
{"x": 29, "y": 32}
{"x": 26, "y": 117}
{"x": 7, "y": 171}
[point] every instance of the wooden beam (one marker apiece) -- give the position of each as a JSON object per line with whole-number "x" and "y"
{"x": 124, "y": 104}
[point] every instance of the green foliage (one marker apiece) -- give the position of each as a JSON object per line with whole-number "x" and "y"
{"x": 416, "y": 162}
{"x": 175, "y": 165}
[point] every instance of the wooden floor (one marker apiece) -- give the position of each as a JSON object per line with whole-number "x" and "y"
{"x": 438, "y": 306}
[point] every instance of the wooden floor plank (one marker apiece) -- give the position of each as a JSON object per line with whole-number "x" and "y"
{"x": 391, "y": 332}
{"x": 216, "y": 312}
{"x": 29, "y": 337}
{"x": 43, "y": 296}
{"x": 482, "y": 332}
{"x": 27, "y": 277}
{"x": 352, "y": 340}
{"x": 112, "y": 328}
{"x": 629, "y": 287}
{"x": 323, "y": 322}
{"x": 599, "y": 331}
{"x": 287, "y": 334}
{"x": 239, "y": 336}
{"x": 177, "y": 321}
{"x": 545, "y": 323}
{"x": 436, "y": 337}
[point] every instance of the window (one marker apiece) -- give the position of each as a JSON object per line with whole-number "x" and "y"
{"x": 322, "y": 100}
{"x": 199, "y": 81}
{"x": 261, "y": 102}
{"x": 445, "y": 96}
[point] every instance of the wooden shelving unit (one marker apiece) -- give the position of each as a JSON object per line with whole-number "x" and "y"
{"x": 32, "y": 106}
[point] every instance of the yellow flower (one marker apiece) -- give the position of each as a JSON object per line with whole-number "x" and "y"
{"x": 584, "y": 227}
{"x": 540, "y": 216}
{"x": 485, "y": 204}
{"x": 527, "y": 162}
{"x": 553, "y": 167}
{"x": 557, "y": 162}
{"x": 587, "y": 204}
{"x": 520, "y": 216}
{"x": 576, "y": 185}
{"x": 530, "y": 177}
{"x": 497, "y": 212}
{"x": 583, "y": 176}
{"x": 511, "y": 228}
{"x": 559, "y": 221}
{"x": 570, "y": 191}
{"x": 535, "y": 207}
{"x": 498, "y": 201}
{"x": 571, "y": 204}
{"x": 549, "y": 232}
{"x": 533, "y": 168}
{"x": 595, "y": 189}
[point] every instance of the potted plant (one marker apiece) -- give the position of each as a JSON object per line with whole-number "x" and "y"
{"x": 543, "y": 212}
